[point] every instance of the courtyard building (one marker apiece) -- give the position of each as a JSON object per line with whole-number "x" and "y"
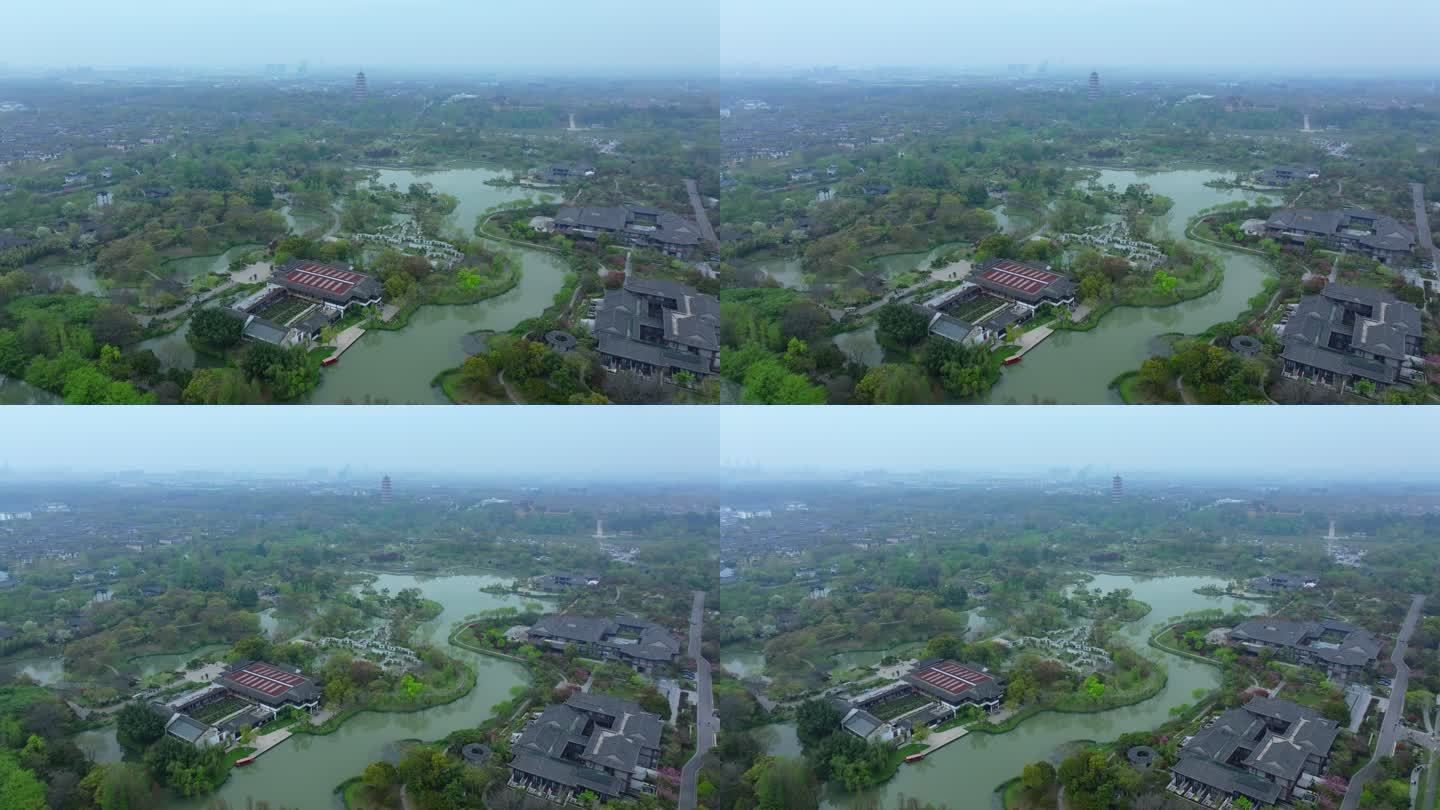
{"x": 1267, "y": 751}
{"x": 635, "y": 225}
{"x": 637, "y": 642}
{"x": 656, "y": 326}
{"x": 1347, "y": 334}
{"x": 1380, "y": 237}
{"x": 596, "y": 743}
{"x": 1343, "y": 650}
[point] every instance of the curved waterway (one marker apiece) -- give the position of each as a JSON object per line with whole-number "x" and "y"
{"x": 302, "y": 772}
{"x": 965, "y": 773}
{"x": 397, "y": 367}
{"x": 466, "y": 185}
{"x": 1077, "y": 367}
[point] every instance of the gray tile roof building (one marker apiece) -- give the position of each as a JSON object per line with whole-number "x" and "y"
{"x": 1259, "y": 750}
{"x": 1375, "y": 235}
{"x": 637, "y": 225}
{"x": 590, "y": 742}
{"x": 656, "y": 325}
{"x": 626, "y": 638}
{"x": 1342, "y": 648}
{"x": 1347, "y": 333}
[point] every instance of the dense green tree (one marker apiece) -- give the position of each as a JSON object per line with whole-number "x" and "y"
{"x": 215, "y": 330}
{"x": 1038, "y": 776}
{"x": 785, "y": 784}
{"x": 815, "y": 720}
{"x": 894, "y": 384}
{"x": 137, "y": 725}
{"x": 902, "y": 323}
{"x": 19, "y": 788}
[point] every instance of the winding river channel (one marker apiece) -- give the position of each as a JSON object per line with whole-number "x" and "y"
{"x": 1077, "y": 367}
{"x": 398, "y": 366}
{"x": 964, "y": 774}
{"x": 304, "y": 770}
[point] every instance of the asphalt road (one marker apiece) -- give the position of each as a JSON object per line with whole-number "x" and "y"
{"x": 1422, "y": 224}
{"x": 1390, "y": 725}
{"x": 706, "y": 723}
{"x": 701, "y": 218}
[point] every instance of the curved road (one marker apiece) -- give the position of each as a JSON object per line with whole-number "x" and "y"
{"x": 1390, "y": 728}
{"x": 706, "y": 723}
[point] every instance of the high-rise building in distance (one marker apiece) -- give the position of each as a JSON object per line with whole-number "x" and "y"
{"x": 1094, "y": 85}
{"x": 1117, "y": 488}
{"x": 362, "y": 89}
{"x": 385, "y": 493}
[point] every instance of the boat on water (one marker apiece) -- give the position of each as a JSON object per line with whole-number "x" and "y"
{"x": 1013, "y": 359}
{"x": 911, "y": 758}
{"x": 331, "y": 360}
{"x": 243, "y": 761}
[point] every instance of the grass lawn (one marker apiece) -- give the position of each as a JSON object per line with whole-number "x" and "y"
{"x": 912, "y": 748}
{"x": 240, "y": 753}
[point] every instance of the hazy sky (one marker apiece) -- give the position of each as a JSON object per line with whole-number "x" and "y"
{"x": 592, "y": 37}
{"x": 1367, "y": 442}
{"x": 551, "y": 441}
{"x": 573, "y": 35}
{"x": 678, "y": 440}
{"x": 1299, "y": 35}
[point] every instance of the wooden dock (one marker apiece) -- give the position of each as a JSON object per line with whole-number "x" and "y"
{"x": 344, "y": 341}
{"x": 1032, "y": 338}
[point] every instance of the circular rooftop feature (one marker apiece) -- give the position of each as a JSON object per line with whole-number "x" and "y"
{"x": 475, "y": 753}
{"x": 1245, "y": 345}
{"x": 1142, "y": 756}
{"x": 560, "y": 341}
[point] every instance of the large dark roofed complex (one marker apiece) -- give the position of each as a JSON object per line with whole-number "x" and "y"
{"x": 1346, "y": 334}
{"x": 271, "y": 684}
{"x": 1375, "y": 235}
{"x": 632, "y": 225}
{"x": 591, "y": 742}
{"x": 657, "y": 326}
{"x": 1026, "y": 283}
{"x": 954, "y": 683}
{"x": 635, "y": 641}
{"x": 1258, "y": 751}
{"x": 333, "y": 284}
{"x": 1342, "y": 649}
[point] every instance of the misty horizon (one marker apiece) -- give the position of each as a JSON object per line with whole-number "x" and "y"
{"x": 739, "y": 34}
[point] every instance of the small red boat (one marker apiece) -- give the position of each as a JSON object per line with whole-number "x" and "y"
{"x": 243, "y": 761}
{"x": 915, "y": 757}
{"x": 331, "y": 360}
{"x": 1013, "y": 359}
